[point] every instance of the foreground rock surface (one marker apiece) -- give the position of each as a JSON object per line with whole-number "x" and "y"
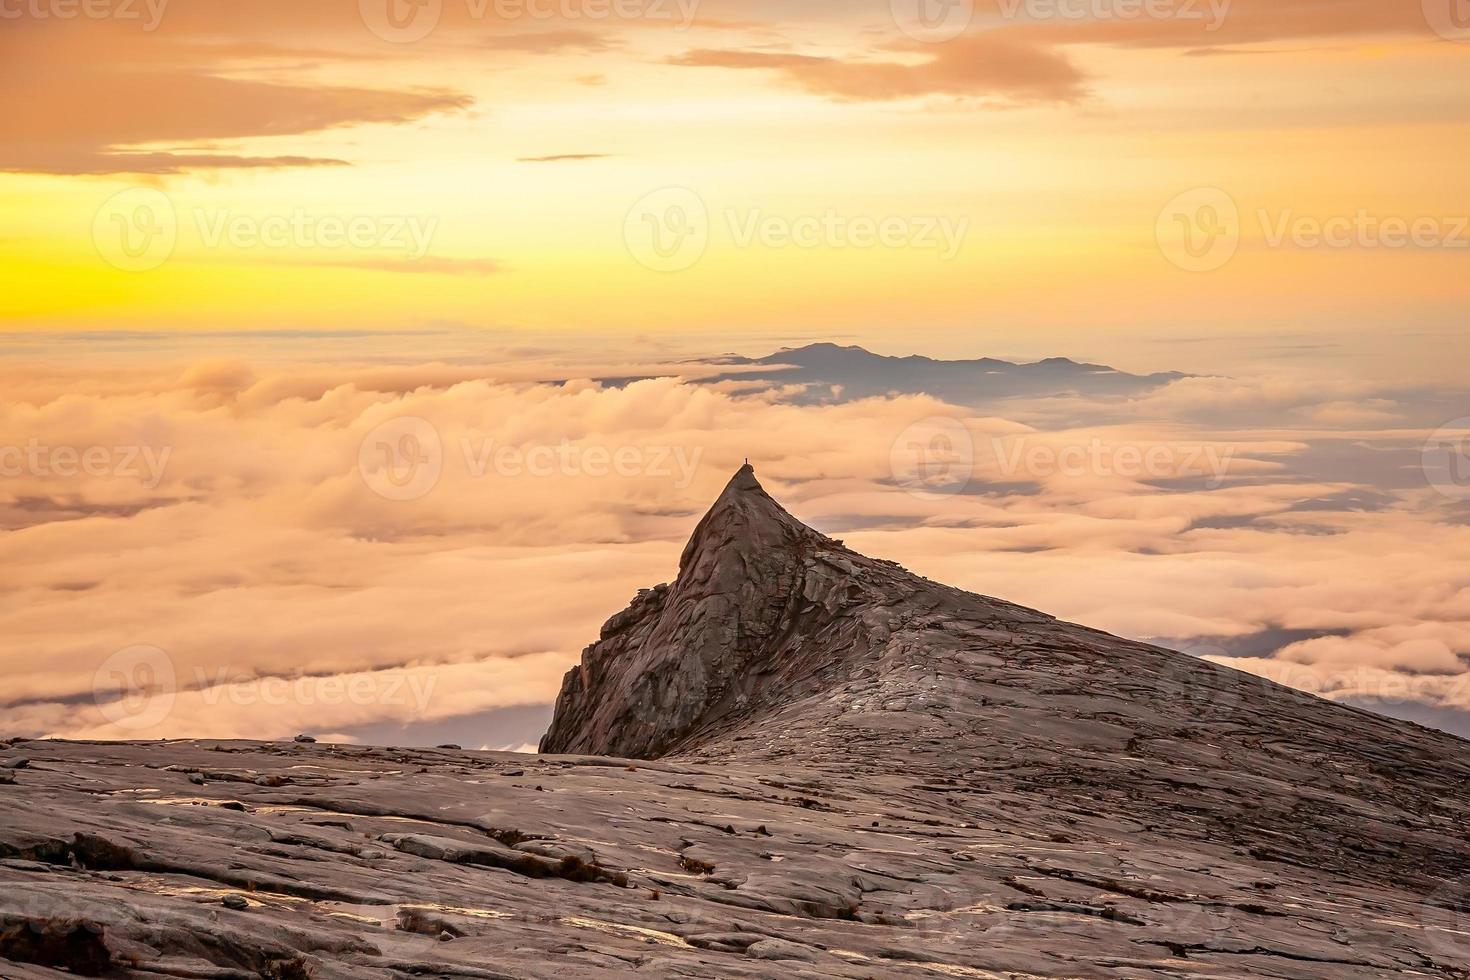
{"x": 860, "y": 774}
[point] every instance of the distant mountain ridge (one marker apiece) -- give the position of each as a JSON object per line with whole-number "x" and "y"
{"x": 859, "y": 373}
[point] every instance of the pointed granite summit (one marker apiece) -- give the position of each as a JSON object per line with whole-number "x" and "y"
{"x": 765, "y": 613}
{"x": 685, "y": 655}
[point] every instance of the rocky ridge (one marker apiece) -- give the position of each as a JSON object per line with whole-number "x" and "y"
{"x": 791, "y": 761}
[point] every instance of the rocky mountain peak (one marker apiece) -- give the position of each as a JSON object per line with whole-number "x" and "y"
{"x": 702, "y": 652}
{"x": 766, "y": 614}
{"x": 743, "y": 521}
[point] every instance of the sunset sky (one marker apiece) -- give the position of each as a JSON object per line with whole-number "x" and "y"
{"x": 249, "y": 234}
{"x": 521, "y": 134}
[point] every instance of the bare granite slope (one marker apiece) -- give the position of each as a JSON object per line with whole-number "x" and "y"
{"x": 792, "y": 761}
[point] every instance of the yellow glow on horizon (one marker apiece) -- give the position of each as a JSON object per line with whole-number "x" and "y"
{"x": 1059, "y": 203}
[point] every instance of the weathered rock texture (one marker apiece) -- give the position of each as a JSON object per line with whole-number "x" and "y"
{"x": 861, "y": 774}
{"x": 732, "y": 637}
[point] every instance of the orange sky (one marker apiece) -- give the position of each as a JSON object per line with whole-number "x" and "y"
{"x": 203, "y": 165}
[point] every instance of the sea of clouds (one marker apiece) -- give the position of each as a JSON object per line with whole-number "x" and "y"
{"x": 254, "y": 546}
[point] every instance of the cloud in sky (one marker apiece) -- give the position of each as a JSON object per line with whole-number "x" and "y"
{"x": 92, "y": 97}
{"x": 1221, "y": 23}
{"x": 540, "y": 42}
{"x": 99, "y": 97}
{"x": 79, "y": 108}
{"x": 563, "y": 158}
{"x": 263, "y": 556}
{"x": 984, "y": 65}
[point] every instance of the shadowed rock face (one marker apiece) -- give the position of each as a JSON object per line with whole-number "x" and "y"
{"x": 861, "y": 774}
{"x": 765, "y": 612}
{"x": 720, "y": 643}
